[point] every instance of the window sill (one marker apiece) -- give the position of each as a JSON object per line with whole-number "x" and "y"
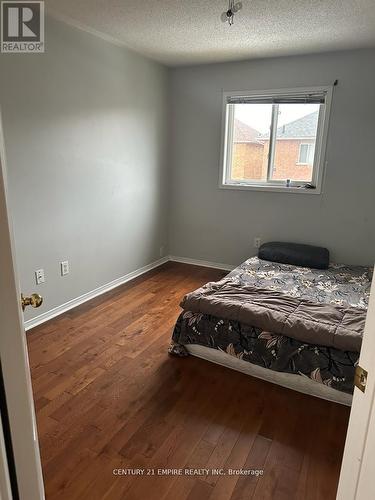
{"x": 277, "y": 189}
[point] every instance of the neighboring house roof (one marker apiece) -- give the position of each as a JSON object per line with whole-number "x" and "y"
{"x": 302, "y": 127}
{"x": 244, "y": 133}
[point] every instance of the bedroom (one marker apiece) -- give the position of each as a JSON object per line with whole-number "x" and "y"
{"x": 114, "y": 143}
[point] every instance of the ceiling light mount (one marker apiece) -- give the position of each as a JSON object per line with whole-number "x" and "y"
{"x": 228, "y": 15}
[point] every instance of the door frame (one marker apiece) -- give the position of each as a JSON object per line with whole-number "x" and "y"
{"x": 14, "y": 358}
{"x": 359, "y": 447}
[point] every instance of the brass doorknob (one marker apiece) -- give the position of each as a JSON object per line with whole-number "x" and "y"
{"x": 35, "y": 300}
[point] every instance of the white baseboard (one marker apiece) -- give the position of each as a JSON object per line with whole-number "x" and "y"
{"x": 203, "y": 263}
{"x": 56, "y": 311}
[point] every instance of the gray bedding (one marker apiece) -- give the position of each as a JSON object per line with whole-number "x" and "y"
{"x": 272, "y": 311}
{"x": 341, "y": 285}
{"x": 339, "y": 288}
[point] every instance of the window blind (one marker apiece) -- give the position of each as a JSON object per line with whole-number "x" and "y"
{"x": 298, "y": 98}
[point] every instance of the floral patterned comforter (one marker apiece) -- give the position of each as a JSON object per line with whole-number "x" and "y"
{"x": 341, "y": 285}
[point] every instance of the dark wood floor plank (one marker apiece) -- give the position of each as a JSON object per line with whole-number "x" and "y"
{"x": 225, "y": 485}
{"x": 108, "y": 396}
{"x": 245, "y": 486}
{"x": 200, "y": 491}
{"x": 181, "y": 487}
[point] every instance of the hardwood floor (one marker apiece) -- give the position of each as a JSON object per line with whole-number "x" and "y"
{"x": 109, "y": 397}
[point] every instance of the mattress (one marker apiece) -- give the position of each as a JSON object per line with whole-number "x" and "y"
{"x": 339, "y": 285}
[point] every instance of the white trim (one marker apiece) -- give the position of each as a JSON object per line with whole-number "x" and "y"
{"x": 14, "y": 357}
{"x": 203, "y": 263}
{"x": 271, "y": 187}
{"x": 357, "y": 468}
{"x": 280, "y": 91}
{"x": 272, "y": 142}
{"x": 71, "y": 304}
{"x": 56, "y": 311}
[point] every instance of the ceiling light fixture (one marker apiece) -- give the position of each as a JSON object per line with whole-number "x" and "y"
{"x": 228, "y": 15}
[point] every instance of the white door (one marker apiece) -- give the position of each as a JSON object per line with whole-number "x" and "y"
{"x": 358, "y": 465}
{"x": 14, "y": 359}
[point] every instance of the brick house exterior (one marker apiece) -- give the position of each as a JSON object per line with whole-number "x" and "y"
{"x": 250, "y": 150}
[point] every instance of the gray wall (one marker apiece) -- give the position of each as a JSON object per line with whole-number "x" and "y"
{"x": 219, "y": 225}
{"x": 88, "y": 154}
{"x": 85, "y": 131}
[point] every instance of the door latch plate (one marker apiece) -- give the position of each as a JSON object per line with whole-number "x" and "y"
{"x": 360, "y": 378}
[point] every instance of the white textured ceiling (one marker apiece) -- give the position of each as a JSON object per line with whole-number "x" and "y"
{"x": 177, "y": 32}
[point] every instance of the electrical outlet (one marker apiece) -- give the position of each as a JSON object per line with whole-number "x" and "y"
{"x": 64, "y": 267}
{"x": 39, "y": 276}
{"x": 257, "y": 242}
{"x": 161, "y": 251}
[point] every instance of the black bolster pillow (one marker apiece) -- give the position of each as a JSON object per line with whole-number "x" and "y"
{"x": 295, "y": 254}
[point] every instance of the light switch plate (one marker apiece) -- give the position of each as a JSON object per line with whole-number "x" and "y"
{"x": 64, "y": 266}
{"x": 39, "y": 276}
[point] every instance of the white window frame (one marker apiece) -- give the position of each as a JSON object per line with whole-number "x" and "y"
{"x": 279, "y": 186}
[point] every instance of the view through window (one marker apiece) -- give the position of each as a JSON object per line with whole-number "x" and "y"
{"x": 273, "y": 141}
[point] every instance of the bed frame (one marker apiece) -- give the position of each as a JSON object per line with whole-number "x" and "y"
{"x": 288, "y": 380}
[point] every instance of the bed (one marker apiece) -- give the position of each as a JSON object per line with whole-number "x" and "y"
{"x": 295, "y": 326}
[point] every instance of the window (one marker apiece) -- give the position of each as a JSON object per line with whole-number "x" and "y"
{"x": 306, "y": 154}
{"x": 275, "y": 140}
